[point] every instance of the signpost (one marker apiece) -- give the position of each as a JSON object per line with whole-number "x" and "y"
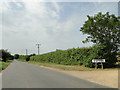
{"x": 98, "y": 61}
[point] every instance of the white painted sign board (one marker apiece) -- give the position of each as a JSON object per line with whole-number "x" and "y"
{"x": 98, "y": 60}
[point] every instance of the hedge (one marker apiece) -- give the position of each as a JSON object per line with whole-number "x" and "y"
{"x": 78, "y": 56}
{"x": 74, "y": 56}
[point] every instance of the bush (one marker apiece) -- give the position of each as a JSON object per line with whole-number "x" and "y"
{"x": 27, "y": 58}
{"x": 4, "y": 65}
{"x": 16, "y": 56}
{"x": 11, "y": 58}
{"x": 23, "y": 57}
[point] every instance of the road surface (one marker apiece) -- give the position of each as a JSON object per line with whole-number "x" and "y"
{"x": 24, "y": 75}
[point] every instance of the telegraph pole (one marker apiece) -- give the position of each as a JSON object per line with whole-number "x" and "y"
{"x": 38, "y": 47}
{"x": 26, "y": 51}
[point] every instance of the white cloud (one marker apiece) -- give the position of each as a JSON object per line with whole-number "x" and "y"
{"x": 35, "y": 8}
{"x": 56, "y": 6}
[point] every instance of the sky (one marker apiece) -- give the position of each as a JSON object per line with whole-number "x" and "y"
{"x": 54, "y": 25}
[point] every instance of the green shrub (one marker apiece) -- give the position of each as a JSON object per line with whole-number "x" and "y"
{"x": 27, "y": 58}
{"x": 4, "y": 65}
{"x": 16, "y": 56}
{"x": 23, "y": 57}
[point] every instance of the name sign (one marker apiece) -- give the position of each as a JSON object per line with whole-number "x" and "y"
{"x": 98, "y": 60}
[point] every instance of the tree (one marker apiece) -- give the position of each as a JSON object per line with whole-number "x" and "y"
{"x": 5, "y": 55}
{"x": 11, "y": 57}
{"x": 104, "y": 30}
{"x": 32, "y": 54}
{"x": 16, "y": 56}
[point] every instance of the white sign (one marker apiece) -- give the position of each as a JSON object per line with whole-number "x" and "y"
{"x": 98, "y": 60}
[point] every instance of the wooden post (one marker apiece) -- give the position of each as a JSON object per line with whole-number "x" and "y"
{"x": 96, "y": 65}
{"x": 101, "y": 65}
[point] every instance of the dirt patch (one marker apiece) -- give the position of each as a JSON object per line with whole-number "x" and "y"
{"x": 104, "y": 77}
{"x": 107, "y": 78}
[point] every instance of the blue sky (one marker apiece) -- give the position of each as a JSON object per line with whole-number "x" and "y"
{"x": 55, "y": 25}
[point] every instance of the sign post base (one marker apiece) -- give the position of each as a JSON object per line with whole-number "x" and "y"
{"x": 98, "y": 61}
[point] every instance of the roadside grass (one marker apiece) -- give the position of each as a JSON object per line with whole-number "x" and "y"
{"x": 3, "y": 65}
{"x": 67, "y": 67}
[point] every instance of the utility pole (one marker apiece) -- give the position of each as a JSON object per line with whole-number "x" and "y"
{"x": 38, "y": 47}
{"x": 26, "y": 51}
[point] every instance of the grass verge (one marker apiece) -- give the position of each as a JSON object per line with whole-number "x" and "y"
{"x": 66, "y": 67}
{"x": 3, "y": 65}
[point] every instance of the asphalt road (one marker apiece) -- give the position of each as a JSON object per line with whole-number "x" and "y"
{"x": 24, "y": 75}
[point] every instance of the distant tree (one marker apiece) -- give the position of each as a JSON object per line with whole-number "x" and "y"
{"x": 32, "y": 54}
{"x": 104, "y": 30}
{"x": 16, "y": 56}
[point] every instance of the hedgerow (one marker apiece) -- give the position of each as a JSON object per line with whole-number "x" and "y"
{"x": 74, "y": 56}
{"x": 25, "y": 57}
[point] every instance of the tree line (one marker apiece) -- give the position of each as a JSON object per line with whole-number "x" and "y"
{"x": 5, "y": 56}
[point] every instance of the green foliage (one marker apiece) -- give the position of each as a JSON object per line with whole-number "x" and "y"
{"x": 104, "y": 30}
{"x": 11, "y": 57}
{"x": 118, "y": 53}
{"x": 25, "y": 57}
{"x": 5, "y": 55}
{"x": 16, "y": 56}
{"x": 118, "y": 56}
{"x": 3, "y": 65}
{"x": 78, "y": 56}
{"x": 28, "y": 58}
{"x": 32, "y": 54}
